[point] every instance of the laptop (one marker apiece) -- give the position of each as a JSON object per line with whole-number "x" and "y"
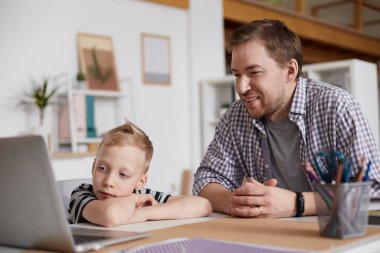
{"x": 31, "y": 210}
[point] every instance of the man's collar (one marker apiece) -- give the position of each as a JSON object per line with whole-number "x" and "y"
{"x": 299, "y": 99}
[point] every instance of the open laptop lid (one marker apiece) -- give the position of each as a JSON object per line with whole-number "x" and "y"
{"x": 31, "y": 210}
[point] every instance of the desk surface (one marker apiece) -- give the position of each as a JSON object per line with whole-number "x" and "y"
{"x": 154, "y": 225}
{"x": 282, "y": 233}
{"x": 293, "y": 233}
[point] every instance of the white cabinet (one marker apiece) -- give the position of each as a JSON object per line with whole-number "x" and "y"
{"x": 110, "y": 109}
{"x": 215, "y": 95}
{"x": 357, "y": 77}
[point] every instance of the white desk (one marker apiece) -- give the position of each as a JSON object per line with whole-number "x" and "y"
{"x": 296, "y": 233}
{"x": 155, "y": 225}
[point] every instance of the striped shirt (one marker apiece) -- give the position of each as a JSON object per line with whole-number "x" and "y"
{"x": 84, "y": 194}
{"x": 328, "y": 118}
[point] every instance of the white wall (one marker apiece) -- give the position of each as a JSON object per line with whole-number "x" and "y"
{"x": 207, "y": 59}
{"x": 38, "y": 39}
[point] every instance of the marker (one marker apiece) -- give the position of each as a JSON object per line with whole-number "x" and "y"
{"x": 366, "y": 176}
{"x": 311, "y": 173}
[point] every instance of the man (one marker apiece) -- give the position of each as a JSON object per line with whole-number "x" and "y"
{"x": 280, "y": 122}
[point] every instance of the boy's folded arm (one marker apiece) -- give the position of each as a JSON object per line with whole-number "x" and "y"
{"x": 177, "y": 207}
{"x": 114, "y": 211}
{"x": 190, "y": 206}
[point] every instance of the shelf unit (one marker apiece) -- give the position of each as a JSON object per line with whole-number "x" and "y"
{"x": 214, "y": 94}
{"x": 110, "y": 110}
{"x": 357, "y": 77}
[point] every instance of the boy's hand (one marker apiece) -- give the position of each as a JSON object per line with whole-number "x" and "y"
{"x": 142, "y": 200}
{"x": 140, "y": 214}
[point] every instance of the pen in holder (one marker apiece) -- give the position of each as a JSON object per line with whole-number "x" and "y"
{"x": 342, "y": 209}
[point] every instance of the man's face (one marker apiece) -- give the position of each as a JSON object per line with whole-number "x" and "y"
{"x": 260, "y": 82}
{"x": 117, "y": 171}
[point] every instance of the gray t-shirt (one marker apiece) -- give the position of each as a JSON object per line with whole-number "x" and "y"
{"x": 284, "y": 142}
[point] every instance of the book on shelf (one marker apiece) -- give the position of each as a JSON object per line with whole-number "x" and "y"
{"x": 90, "y": 116}
{"x": 63, "y": 122}
{"x": 79, "y": 102}
{"x": 80, "y": 115}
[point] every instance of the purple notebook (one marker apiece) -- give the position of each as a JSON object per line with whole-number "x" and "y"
{"x": 198, "y": 245}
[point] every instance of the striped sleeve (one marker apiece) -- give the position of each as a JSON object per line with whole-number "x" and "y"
{"x": 80, "y": 197}
{"x": 160, "y": 197}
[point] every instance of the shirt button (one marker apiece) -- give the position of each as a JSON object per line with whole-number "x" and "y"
{"x": 266, "y": 166}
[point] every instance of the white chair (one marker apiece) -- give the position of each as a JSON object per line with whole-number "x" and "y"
{"x": 65, "y": 187}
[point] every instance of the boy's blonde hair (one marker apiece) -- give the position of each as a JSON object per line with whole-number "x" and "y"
{"x": 129, "y": 134}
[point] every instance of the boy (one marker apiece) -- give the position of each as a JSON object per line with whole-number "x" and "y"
{"x": 117, "y": 196}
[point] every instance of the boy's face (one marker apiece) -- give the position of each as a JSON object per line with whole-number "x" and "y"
{"x": 117, "y": 171}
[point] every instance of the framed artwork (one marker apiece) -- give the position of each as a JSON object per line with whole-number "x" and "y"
{"x": 97, "y": 61}
{"x": 156, "y": 64}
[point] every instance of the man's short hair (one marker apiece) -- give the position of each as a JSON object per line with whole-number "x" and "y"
{"x": 281, "y": 43}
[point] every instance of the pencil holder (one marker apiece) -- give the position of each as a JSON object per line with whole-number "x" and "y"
{"x": 342, "y": 209}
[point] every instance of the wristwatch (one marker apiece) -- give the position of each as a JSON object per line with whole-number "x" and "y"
{"x": 300, "y": 202}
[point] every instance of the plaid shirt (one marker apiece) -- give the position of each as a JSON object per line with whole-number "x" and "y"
{"x": 328, "y": 119}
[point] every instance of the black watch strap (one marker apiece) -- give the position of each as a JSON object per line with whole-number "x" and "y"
{"x": 300, "y": 204}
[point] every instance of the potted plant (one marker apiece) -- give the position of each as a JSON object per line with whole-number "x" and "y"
{"x": 81, "y": 80}
{"x": 81, "y": 76}
{"x": 41, "y": 96}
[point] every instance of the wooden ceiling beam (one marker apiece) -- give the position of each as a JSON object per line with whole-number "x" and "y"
{"x": 305, "y": 26}
{"x": 372, "y": 22}
{"x": 315, "y": 9}
{"x": 184, "y": 4}
{"x": 314, "y": 53}
{"x": 372, "y": 6}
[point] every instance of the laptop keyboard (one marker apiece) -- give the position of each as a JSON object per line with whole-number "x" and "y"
{"x": 83, "y": 236}
{"x": 81, "y": 239}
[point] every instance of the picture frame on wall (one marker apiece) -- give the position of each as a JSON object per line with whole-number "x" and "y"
{"x": 156, "y": 59}
{"x": 97, "y": 61}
